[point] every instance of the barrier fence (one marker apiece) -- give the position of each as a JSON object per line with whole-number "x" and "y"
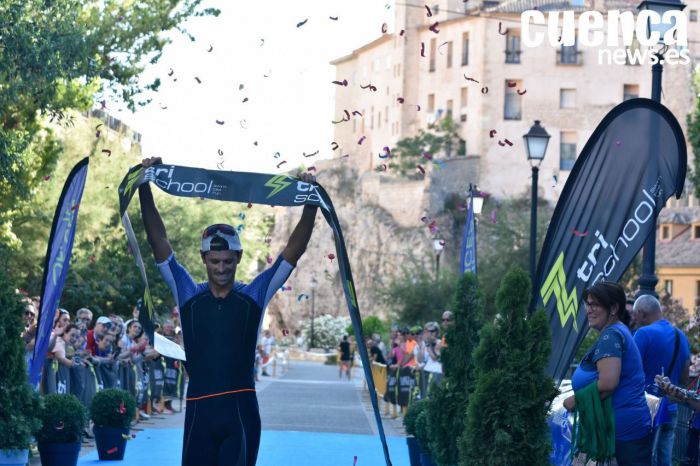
{"x": 399, "y": 387}
{"x": 146, "y": 381}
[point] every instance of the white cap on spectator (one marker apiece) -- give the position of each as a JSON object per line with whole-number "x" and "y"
{"x": 103, "y": 320}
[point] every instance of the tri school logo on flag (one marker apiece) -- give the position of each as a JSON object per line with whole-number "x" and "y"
{"x": 632, "y": 163}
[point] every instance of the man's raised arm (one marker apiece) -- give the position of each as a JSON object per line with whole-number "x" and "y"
{"x": 155, "y": 228}
{"x": 301, "y": 235}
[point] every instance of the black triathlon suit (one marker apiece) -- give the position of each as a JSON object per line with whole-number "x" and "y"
{"x": 222, "y": 422}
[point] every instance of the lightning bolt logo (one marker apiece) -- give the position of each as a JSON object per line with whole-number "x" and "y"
{"x": 131, "y": 181}
{"x": 555, "y": 284}
{"x": 277, "y": 183}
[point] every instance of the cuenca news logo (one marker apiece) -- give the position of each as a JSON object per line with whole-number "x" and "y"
{"x": 621, "y": 39}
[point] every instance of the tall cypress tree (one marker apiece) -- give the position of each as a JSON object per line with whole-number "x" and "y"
{"x": 18, "y": 403}
{"x": 447, "y": 404}
{"x": 506, "y": 416}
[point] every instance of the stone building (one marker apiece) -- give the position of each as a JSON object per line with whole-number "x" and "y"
{"x": 411, "y": 76}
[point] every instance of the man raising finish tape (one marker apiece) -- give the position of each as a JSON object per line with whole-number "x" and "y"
{"x": 221, "y": 320}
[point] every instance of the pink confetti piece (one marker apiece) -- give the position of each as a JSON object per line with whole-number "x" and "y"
{"x": 503, "y": 33}
{"x": 371, "y": 88}
{"x": 484, "y": 90}
{"x": 60, "y": 425}
{"x": 420, "y": 168}
{"x": 262, "y": 42}
{"x": 470, "y": 79}
{"x": 618, "y": 143}
{"x": 334, "y": 18}
{"x": 281, "y": 163}
{"x": 211, "y": 47}
{"x": 334, "y": 145}
{"x": 107, "y": 151}
{"x": 430, "y": 13}
{"x": 387, "y": 153}
{"x": 245, "y": 100}
{"x": 512, "y": 84}
{"x": 92, "y": 258}
{"x": 422, "y": 49}
{"x": 112, "y": 450}
{"x": 385, "y": 28}
{"x": 492, "y": 132}
{"x": 171, "y": 72}
{"x": 402, "y": 32}
{"x": 134, "y": 435}
{"x": 521, "y": 92}
{"x": 580, "y": 234}
{"x": 310, "y": 155}
{"x": 220, "y": 152}
{"x": 47, "y": 177}
{"x": 301, "y": 23}
{"x": 442, "y": 242}
{"x": 162, "y": 107}
{"x": 331, "y": 256}
{"x": 417, "y": 108}
{"x": 122, "y": 407}
{"x": 508, "y": 142}
{"x": 285, "y": 332}
{"x": 433, "y": 28}
{"x": 502, "y": 144}
{"x": 356, "y": 113}
{"x": 400, "y": 100}
{"x": 311, "y": 169}
{"x": 427, "y": 155}
{"x": 269, "y": 259}
{"x": 361, "y": 139}
{"x": 277, "y": 155}
{"x": 199, "y": 81}
{"x": 344, "y": 82}
{"x": 220, "y": 122}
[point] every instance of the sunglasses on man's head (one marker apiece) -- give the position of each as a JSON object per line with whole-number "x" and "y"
{"x": 225, "y": 229}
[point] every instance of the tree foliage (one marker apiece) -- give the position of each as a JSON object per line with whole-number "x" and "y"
{"x": 447, "y": 404}
{"x": 20, "y": 405}
{"x": 54, "y": 55}
{"x": 417, "y": 297}
{"x": 410, "y": 151}
{"x": 505, "y": 423}
{"x": 693, "y": 121}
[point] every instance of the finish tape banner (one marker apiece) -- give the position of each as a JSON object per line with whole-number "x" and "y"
{"x": 632, "y": 163}
{"x": 57, "y": 261}
{"x": 255, "y": 188}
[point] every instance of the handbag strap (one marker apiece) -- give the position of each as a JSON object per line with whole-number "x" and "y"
{"x": 675, "y": 354}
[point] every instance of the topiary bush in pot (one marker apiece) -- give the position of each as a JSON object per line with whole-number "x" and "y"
{"x": 112, "y": 411}
{"x": 63, "y": 419}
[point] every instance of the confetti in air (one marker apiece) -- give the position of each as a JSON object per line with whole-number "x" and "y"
{"x": 301, "y": 23}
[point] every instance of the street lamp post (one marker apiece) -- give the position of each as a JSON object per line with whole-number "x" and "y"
{"x": 536, "y": 141}
{"x": 648, "y": 279}
{"x": 477, "y": 203}
{"x": 438, "y": 245}
{"x": 313, "y": 284}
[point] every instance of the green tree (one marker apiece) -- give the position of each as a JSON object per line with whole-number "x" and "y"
{"x": 416, "y": 297}
{"x": 370, "y": 325}
{"x": 448, "y": 403}
{"x": 693, "y": 121}
{"x": 505, "y": 242}
{"x": 410, "y": 151}
{"x": 506, "y": 416}
{"x": 20, "y": 405}
{"x": 54, "y": 56}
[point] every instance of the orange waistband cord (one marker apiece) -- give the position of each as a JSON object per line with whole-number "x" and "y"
{"x": 220, "y": 394}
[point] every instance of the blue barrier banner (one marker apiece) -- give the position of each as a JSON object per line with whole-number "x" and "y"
{"x": 57, "y": 262}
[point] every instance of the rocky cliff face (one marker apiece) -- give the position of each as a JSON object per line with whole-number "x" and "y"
{"x": 381, "y": 222}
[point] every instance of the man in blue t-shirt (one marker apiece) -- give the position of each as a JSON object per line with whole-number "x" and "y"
{"x": 221, "y": 321}
{"x": 664, "y": 350}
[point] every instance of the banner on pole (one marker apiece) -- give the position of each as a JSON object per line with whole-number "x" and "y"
{"x": 632, "y": 163}
{"x": 57, "y": 261}
{"x": 467, "y": 262}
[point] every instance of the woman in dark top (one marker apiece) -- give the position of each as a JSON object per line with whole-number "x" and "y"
{"x": 345, "y": 357}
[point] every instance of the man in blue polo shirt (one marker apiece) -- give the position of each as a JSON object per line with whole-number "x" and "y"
{"x": 664, "y": 350}
{"x": 221, "y": 321}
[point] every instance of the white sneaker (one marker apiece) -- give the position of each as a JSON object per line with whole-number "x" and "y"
{"x": 143, "y": 416}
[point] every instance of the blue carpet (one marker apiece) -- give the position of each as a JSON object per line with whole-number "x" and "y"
{"x": 164, "y": 446}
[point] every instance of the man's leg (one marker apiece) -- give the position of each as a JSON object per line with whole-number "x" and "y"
{"x": 198, "y": 447}
{"x": 250, "y": 418}
{"x": 663, "y": 453}
{"x": 691, "y": 452}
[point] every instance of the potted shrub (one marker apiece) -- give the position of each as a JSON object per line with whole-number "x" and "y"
{"x": 111, "y": 411}
{"x": 18, "y": 401}
{"x": 409, "y": 422}
{"x": 63, "y": 419}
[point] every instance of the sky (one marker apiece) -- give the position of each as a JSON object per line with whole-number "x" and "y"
{"x": 284, "y": 71}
